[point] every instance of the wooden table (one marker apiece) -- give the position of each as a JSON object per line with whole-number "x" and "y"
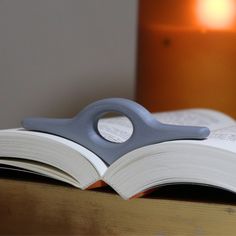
{"x": 38, "y": 206}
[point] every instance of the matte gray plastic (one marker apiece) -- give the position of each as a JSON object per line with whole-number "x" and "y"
{"x": 83, "y": 130}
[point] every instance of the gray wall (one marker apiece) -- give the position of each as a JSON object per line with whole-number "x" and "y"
{"x": 58, "y": 55}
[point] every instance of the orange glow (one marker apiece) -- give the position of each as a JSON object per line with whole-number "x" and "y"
{"x": 216, "y": 14}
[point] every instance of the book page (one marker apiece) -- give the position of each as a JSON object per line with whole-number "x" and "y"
{"x": 37, "y": 168}
{"x": 119, "y": 129}
{"x": 52, "y": 150}
{"x": 226, "y": 134}
{"x": 196, "y": 117}
{"x": 223, "y": 138}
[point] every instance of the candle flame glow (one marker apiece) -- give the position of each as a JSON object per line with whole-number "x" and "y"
{"x": 216, "y": 14}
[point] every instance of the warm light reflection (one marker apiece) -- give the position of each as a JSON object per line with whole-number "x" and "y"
{"x": 216, "y": 14}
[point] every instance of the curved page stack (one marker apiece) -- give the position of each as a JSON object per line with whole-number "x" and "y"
{"x": 209, "y": 162}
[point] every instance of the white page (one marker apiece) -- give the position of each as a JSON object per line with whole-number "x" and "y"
{"x": 70, "y": 160}
{"x": 226, "y": 134}
{"x": 38, "y": 168}
{"x": 223, "y": 138}
{"x": 119, "y": 129}
{"x": 196, "y": 117}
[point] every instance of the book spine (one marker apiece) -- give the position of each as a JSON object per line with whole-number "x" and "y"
{"x": 97, "y": 184}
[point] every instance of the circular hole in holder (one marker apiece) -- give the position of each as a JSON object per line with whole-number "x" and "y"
{"x": 115, "y": 127}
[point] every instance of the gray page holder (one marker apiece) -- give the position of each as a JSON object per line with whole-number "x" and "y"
{"x": 83, "y": 130}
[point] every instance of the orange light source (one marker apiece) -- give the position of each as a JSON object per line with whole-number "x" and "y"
{"x": 216, "y": 14}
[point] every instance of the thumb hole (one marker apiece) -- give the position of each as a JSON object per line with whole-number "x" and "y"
{"x": 114, "y": 127}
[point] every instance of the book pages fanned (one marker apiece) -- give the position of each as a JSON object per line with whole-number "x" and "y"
{"x": 209, "y": 162}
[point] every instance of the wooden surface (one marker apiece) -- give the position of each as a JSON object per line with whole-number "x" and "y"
{"x": 30, "y": 207}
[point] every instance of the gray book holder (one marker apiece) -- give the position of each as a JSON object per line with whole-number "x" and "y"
{"x": 83, "y": 130}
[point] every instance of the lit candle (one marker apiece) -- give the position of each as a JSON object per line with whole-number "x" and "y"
{"x": 185, "y": 65}
{"x": 216, "y": 14}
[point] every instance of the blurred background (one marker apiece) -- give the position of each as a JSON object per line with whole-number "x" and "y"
{"x": 187, "y": 55}
{"x": 56, "y": 56}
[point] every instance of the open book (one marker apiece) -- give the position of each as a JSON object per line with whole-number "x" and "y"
{"x": 210, "y": 162}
